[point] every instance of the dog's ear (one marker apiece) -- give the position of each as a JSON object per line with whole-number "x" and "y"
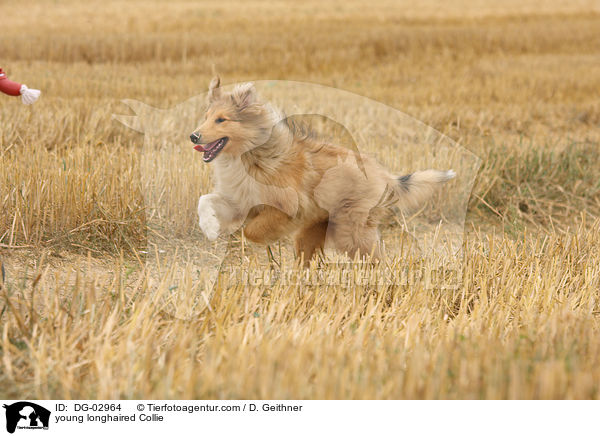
{"x": 244, "y": 96}
{"x": 214, "y": 90}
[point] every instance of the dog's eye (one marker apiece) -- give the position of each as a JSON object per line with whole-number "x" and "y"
{"x": 220, "y": 120}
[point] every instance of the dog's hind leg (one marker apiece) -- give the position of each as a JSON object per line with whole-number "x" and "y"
{"x": 351, "y": 238}
{"x": 310, "y": 240}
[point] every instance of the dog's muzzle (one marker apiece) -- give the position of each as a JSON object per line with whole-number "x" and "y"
{"x": 195, "y": 138}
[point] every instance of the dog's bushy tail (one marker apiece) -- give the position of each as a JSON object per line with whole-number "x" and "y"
{"x": 415, "y": 189}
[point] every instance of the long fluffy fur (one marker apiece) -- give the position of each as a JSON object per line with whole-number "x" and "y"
{"x": 277, "y": 178}
{"x": 416, "y": 188}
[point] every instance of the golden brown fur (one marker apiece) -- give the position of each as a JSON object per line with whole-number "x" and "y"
{"x": 276, "y": 181}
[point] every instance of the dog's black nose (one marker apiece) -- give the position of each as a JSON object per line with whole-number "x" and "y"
{"x": 194, "y": 137}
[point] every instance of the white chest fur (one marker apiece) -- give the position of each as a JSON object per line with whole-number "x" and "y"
{"x": 243, "y": 192}
{"x": 234, "y": 184}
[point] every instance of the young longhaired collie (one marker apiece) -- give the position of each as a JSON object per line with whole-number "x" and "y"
{"x": 275, "y": 180}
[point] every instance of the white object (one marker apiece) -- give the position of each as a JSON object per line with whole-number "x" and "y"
{"x": 209, "y": 223}
{"x": 29, "y": 96}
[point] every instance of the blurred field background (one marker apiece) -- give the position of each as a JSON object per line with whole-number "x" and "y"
{"x": 515, "y": 82}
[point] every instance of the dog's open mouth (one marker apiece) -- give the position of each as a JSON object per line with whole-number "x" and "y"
{"x": 212, "y": 149}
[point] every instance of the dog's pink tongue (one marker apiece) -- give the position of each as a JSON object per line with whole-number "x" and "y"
{"x": 206, "y": 147}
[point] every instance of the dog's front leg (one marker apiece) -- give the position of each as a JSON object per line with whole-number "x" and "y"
{"x": 216, "y": 216}
{"x": 268, "y": 226}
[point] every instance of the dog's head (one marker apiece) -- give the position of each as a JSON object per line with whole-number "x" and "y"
{"x": 234, "y": 123}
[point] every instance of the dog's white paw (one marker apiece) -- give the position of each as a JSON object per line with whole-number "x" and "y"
{"x": 209, "y": 223}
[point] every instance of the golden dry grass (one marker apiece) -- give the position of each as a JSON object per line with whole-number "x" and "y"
{"x": 516, "y": 83}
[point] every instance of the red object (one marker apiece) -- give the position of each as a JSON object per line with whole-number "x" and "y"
{"x": 8, "y": 86}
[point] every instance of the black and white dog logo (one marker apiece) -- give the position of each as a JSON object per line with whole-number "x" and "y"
{"x": 26, "y": 415}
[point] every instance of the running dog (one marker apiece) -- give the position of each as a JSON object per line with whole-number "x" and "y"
{"x": 274, "y": 179}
